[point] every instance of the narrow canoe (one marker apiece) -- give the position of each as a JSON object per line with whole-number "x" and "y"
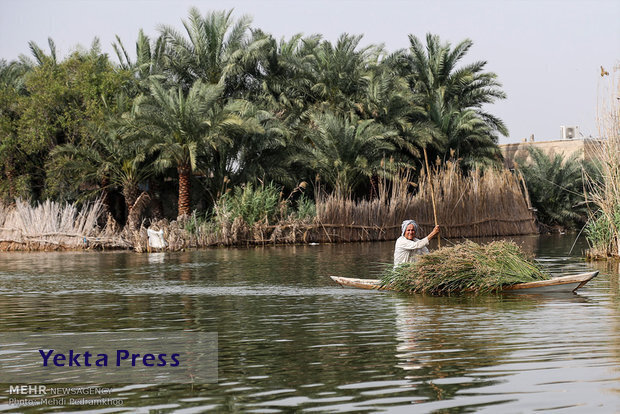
{"x": 559, "y": 284}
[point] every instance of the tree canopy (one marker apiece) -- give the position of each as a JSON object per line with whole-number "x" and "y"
{"x": 220, "y": 102}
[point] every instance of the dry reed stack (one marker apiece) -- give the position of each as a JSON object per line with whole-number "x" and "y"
{"x": 492, "y": 203}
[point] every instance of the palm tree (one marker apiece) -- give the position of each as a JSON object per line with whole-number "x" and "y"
{"x": 217, "y": 49}
{"x": 39, "y": 55}
{"x": 469, "y": 139}
{"x": 148, "y": 64}
{"x": 107, "y": 160}
{"x": 286, "y": 81}
{"x": 305, "y": 76}
{"x": 12, "y": 76}
{"x": 555, "y": 184}
{"x": 389, "y": 101}
{"x": 185, "y": 127}
{"x": 345, "y": 151}
{"x": 306, "y": 72}
{"x": 453, "y": 98}
{"x": 339, "y": 72}
{"x": 263, "y": 152}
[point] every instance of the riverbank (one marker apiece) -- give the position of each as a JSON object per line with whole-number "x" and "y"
{"x": 178, "y": 237}
{"x": 476, "y": 205}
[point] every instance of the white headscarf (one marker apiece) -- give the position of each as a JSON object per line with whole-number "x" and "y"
{"x": 408, "y": 222}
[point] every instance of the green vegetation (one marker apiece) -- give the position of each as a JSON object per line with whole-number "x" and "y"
{"x": 306, "y": 209}
{"x": 222, "y": 105}
{"x": 452, "y": 100}
{"x": 466, "y": 267}
{"x": 252, "y": 204}
{"x": 45, "y": 104}
{"x": 602, "y": 233}
{"x": 556, "y": 188}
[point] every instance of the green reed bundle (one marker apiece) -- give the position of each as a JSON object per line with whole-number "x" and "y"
{"x": 465, "y": 267}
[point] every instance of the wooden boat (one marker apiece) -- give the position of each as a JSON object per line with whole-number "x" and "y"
{"x": 559, "y": 284}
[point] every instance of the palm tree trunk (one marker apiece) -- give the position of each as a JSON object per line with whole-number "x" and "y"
{"x": 184, "y": 190}
{"x": 107, "y": 220}
{"x": 135, "y": 212}
{"x": 131, "y": 195}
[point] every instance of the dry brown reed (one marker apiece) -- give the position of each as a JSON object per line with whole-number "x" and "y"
{"x": 492, "y": 203}
{"x": 604, "y": 193}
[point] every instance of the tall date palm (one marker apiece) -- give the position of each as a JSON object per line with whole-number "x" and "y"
{"x": 182, "y": 127}
{"x": 149, "y": 62}
{"x": 217, "y": 49}
{"x": 340, "y": 71}
{"x": 454, "y": 97}
{"x": 288, "y": 67}
{"x": 345, "y": 151}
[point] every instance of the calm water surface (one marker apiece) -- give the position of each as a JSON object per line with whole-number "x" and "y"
{"x": 292, "y": 341}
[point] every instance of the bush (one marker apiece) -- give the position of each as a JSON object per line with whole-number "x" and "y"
{"x": 252, "y": 205}
{"x": 601, "y": 235}
{"x": 306, "y": 208}
{"x": 195, "y": 223}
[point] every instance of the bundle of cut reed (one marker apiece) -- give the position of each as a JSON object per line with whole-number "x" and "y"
{"x": 465, "y": 267}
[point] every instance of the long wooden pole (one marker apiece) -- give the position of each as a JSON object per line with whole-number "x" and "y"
{"x": 430, "y": 182}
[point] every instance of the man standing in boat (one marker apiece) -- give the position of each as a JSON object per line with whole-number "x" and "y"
{"x": 408, "y": 247}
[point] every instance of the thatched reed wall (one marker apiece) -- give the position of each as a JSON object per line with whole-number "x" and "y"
{"x": 491, "y": 204}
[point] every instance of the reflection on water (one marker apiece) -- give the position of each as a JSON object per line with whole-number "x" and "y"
{"x": 289, "y": 340}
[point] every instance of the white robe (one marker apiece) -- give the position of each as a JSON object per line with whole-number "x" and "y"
{"x": 406, "y": 250}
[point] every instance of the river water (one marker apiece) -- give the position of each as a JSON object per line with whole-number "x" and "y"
{"x": 289, "y": 340}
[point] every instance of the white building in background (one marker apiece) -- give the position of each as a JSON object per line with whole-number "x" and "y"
{"x": 571, "y": 141}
